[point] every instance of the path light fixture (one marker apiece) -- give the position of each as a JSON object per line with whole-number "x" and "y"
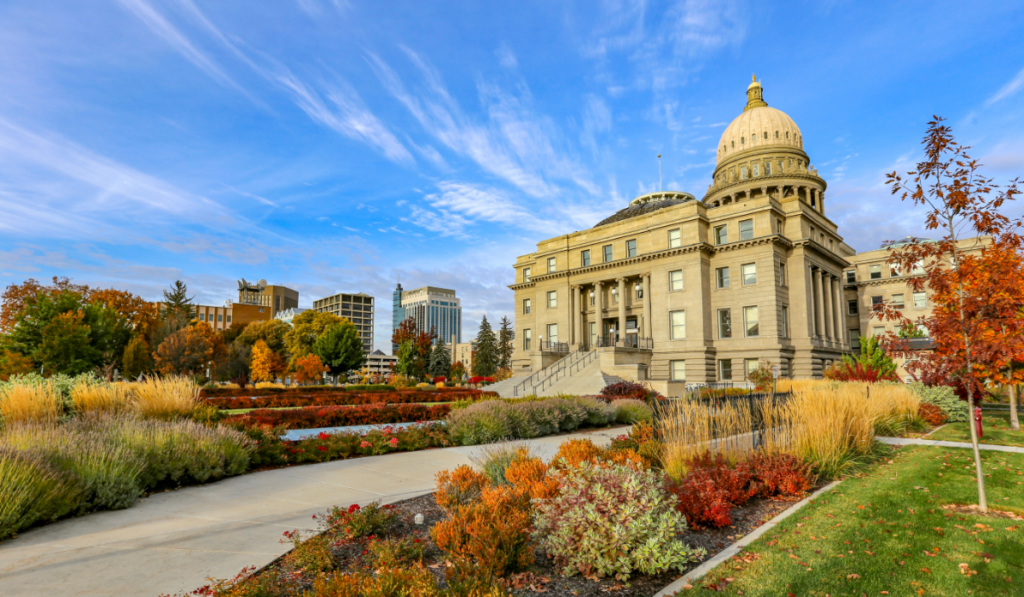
{"x": 418, "y": 519}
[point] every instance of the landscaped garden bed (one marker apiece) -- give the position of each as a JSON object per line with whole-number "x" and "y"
{"x": 338, "y": 416}
{"x": 282, "y": 392}
{"x": 342, "y": 399}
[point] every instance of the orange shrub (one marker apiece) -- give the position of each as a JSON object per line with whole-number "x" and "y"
{"x": 573, "y": 453}
{"x": 493, "y": 532}
{"x": 459, "y": 487}
{"x": 530, "y": 476}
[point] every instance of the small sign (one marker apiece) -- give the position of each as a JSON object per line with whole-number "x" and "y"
{"x": 775, "y": 371}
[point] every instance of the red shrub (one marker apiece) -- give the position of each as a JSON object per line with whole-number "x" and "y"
{"x": 625, "y": 389}
{"x": 481, "y": 379}
{"x": 701, "y": 501}
{"x": 779, "y": 474}
{"x": 339, "y": 416}
{"x": 931, "y": 413}
{"x": 343, "y": 399}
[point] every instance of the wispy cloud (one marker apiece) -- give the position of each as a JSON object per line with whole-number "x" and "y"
{"x": 1011, "y": 87}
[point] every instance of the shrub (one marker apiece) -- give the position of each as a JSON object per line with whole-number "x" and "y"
{"x": 872, "y": 365}
{"x": 459, "y": 487}
{"x": 530, "y": 476}
{"x": 642, "y": 440}
{"x": 599, "y": 412}
{"x": 495, "y": 420}
{"x": 31, "y": 491}
{"x": 932, "y": 414}
{"x": 166, "y": 398}
{"x": 944, "y": 397}
{"x": 312, "y": 554}
{"x": 30, "y": 402}
{"x": 625, "y": 389}
{"x": 355, "y": 522}
{"x": 776, "y": 473}
{"x": 711, "y": 488}
{"x": 494, "y": 532}
{"x": 629, "y": 411}
{"x": 495, "y": 460}
{"x": 612, "y": 520}
{"x": 395, "y": 553}
{"x": 414, "y": 581}
{"x": 312, "y": 417}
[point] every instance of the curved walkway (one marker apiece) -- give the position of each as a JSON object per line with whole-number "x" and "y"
{"x": 908, "y": 441}
{"x": 174, "y": 541}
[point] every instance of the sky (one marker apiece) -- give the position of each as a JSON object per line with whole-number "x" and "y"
{"x": 341, "y": 146}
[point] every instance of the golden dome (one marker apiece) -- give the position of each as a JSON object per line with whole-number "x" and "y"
{"x": 758, "y": 127}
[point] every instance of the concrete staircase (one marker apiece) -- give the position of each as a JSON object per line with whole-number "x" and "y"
{"x": 578, "y": 373}
{"x": 504, "y": 387}
{"x": 588, "y": 381}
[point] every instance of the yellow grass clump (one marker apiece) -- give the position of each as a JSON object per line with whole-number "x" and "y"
{"x": 101, "y": 398}
{"x": 689, "y": 427}
{"x": 31, "y": 403}
{"x": 166, "y": 398}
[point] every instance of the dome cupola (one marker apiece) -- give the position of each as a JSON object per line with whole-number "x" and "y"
{"x": 758, "y": 127}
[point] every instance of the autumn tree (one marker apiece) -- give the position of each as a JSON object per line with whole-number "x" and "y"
{"x": 266, "y": 364}
{"x": 485, "y": 360}
{"x": 17, "y": 296}
{"x": 271, "y": 331}
{"x": 340, "y": 348}
{"x": 190, "y": 350}
{"x": 505, "y": 334}
{"x": 14, "y": 363}
{"x": 140, "y": 315}
{"x": 969, "y": 315}
{"x": 309, "y": 369}
{"x": 137, "y": 358}
{"x": 414, "y": 361}
{"x": 306, "y": 328}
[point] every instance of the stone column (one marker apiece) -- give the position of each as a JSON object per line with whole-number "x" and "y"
{"x": 621, "y": 339}
{"x": 829, "y": 316}
{"x": 577, "y": 316}
{"x": 647, "y": 307}
{"x": 840, "y": 316}
{"x": 599, "y": 309}
{"x": 819, "y": 308}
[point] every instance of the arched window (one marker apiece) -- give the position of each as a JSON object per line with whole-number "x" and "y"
{"x": 753, "y": 138}
{"x": 742, "y": 140}
{"x": 734, "y": 144}
{"x": 787, "y": 134}
{"x": 766, "y": 134}
{"x": 776, "y": 134}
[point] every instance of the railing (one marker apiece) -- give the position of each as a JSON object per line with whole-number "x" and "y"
{"x": 630, "y": 341}
{"x": 543, "y": 377}
{"x": 719, "y": 385}
{"x": 753, "y": 403}
{"x": 566, "y": 370}
{"x": 548, "y": 346}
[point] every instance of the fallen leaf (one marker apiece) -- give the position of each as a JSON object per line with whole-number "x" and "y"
{"x": 852, "y": 576}
{"x": 926, "y": 571}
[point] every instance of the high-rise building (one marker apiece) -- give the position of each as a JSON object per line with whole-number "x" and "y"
{"x": 357, "y": 308}
{"x": 432, "y": 308}
{"x": 278, "y": 298}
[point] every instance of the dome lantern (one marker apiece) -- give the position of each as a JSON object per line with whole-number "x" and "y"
{"x": 755, "y": 95}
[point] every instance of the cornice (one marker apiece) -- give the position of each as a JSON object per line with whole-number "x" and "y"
{"x": 882, "y": 281}
{"x": 808, "y": 243}
{"x": 751, "y": 182}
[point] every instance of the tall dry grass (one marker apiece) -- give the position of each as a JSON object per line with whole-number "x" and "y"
{"x": 166, "y": 398}
{"x": 101, "y": 398}
{"x": 689, "y": 427}
{"x": 31, "y": 403}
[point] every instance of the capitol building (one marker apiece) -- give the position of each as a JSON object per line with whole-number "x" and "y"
{"x": 673, "y": 289}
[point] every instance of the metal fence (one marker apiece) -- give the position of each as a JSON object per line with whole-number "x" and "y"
{"x": 752, "y": 402}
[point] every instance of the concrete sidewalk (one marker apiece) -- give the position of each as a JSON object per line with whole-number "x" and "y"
{"x": 174, "y": 541}
{"x": 907, "y": 441}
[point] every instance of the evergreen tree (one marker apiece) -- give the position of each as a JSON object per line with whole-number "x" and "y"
{"x": 485, "y": 361}
{"x": 505, "y": 344}
{"x": 340, "y": 348}
{"x": 440, "y": 360}
{"x": 177, "y": 301}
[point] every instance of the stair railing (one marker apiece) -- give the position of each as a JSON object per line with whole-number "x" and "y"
{"x": 570, "y": 368}
{"x": 533, "y": 379}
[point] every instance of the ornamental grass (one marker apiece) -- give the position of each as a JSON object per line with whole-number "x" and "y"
{"x": 101, "y": 398}
{"x": 689, "y": 427}
{"x": 166, "y": 398}
{"x": 30, "y": 403}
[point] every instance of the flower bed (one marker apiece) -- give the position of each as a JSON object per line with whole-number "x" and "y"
{"x": 314, "y": 390}
{"x": 341, "y": 399}
{"x": 271, "y": 450}
{"x": 338, "y": 416}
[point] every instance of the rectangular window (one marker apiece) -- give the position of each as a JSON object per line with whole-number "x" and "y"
{"x": 593, "y": 298}
{"x": 876, "y": 272}
{"x": 722, "y": 275}
{"x": 750, "y": 322}
{"x": 527, "y": 337}
{"x": 677, "y": 319}
{"x": 721, "y": 235}
{"x": 918, "y": 268}
{"x": 607, "y": 253}
{"x": 228, "y": 319}
{"x": 875, "y": 300}
{"x": 778, "y": 226}
{"x": 585, "y": 258}
{"x": 202, "y": 317}
{"x": 526, "y": 306}
{"x": 678, "y": 369}
{"x": 780, "y": 273}
{"x": 639, "y": 290}
{"x": 552, "y": 299}
{"x": 851, "y": 277}
{"x": 749, "y": 273}
{"x": 878, "y": 330}
{"x": 551, "y": 264}
{"x": 724, "y": 370}
{"x": 897, "y": 301}
{"x": 615, "y": 295}
{"x": 785, "y": 321}
{"x": 631, "y": 248}
{"x": 743, "y": 173}
{"x": 894, "y": 270}
{"x": 746, "y": 229}
{"x": 552, "y": 333}
{"x": 220, "y": 317}
{"x": 854, "y": 339}
{"x": 757, "y": 170}
{"x": 750, "y": 365}
{"x": 675, "y": 239}
{"x": 767, "y": 168}
{"x": 675, "y": 280}
{"x": 724, "y": 323}
{"x": 851, "y": 307}
{"x": 526, "y": 274}
{"x": 920, "y": 300}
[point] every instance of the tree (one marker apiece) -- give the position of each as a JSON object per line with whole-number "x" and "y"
{"x": 416, "y": 360}
{"x": 190, "y": 350}
{"x": 271, "y": 331}
{"x": 266, "y": 364}
{"x": 340, "y": 348}
{"x": 505, "y": 333}
{"x": 309, "y": 369}
{"x": 233, "y": 331}
{"x": 139, "y": 314}
{"x": 872, "y": 365}
{"x": 458, "y": 371}
{"x": 177, "y": 301}
{"x": 17, "y": 296}
{"x": 440, "y": 360}
{"x": 485, "y": 361}
{"x": 960, "y": 203}
{"x": 236, "y": 366}
{"x": 14, "y": 363}
{"x": 136, "y": 359}
{"x": 306, "y": 328}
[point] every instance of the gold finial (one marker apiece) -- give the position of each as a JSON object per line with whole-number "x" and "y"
{"x": 753, "y": 78}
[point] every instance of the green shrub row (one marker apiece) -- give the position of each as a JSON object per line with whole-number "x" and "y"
{"x": 944, "y": 397}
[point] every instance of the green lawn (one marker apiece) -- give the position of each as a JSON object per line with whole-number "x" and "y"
{"x": 996, "y": 428}
{"x": 886, "y": 533}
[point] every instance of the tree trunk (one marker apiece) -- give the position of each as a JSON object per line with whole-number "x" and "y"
{"x": 1014, "y": 421}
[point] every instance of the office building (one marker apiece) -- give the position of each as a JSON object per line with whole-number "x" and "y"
{"x": 431, "y": 308}
{"x": 357, "y": 308}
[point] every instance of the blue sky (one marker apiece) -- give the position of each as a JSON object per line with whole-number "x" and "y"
{"x": 336, "y": 146}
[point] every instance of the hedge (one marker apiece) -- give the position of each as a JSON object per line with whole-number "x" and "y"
{"x": 341, "y": 399}
{"x": 313, "y": 417}
{"x": 314, "y": 390}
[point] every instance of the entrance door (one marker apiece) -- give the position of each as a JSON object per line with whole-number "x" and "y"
{"x": 611, "y": 333}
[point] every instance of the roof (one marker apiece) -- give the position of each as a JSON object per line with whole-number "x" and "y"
{"x": 646, "y": 204}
